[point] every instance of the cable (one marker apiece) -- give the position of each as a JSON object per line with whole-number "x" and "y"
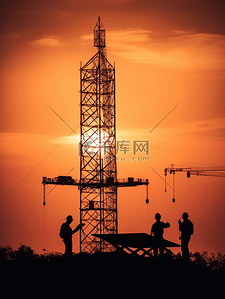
{"x": 164, "y": 180}
{"x": 44, "y": 249}
{"x": 163, "y": 118}
{"x": 73, "y": 131}
{"x": 61, "y": 118}
{"x": 36, "y": 167}
{"x": 57, "y": 185}
{"x": 44, "y": 204}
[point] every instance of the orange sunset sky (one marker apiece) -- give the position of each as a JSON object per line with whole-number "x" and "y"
{"x": 166, "y": 53}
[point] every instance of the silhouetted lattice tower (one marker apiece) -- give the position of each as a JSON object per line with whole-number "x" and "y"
{"x": 98, "y": 174}
{"x": 98, "y": 196}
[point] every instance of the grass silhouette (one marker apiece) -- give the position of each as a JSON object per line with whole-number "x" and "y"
{"x": 24, "y": 272}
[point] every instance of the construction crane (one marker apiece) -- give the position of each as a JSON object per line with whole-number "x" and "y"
{"x": 98, "y": 181}
{"x": 216, "y": 171}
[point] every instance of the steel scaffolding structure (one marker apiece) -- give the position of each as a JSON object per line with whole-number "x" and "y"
{"x": 98, "y": 181}
{"x": 98, "y": 205}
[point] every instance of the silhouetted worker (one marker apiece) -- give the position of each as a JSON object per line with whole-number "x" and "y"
{"x": 157, "y": 231}
{"x": 187, "y": 229}
{"x": 66, "y": 233}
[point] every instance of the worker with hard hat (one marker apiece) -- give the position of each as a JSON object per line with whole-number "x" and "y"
{"x": 187, "y": 229}
{"x": 157, "y": 231}
{"x": 66, "y": 233}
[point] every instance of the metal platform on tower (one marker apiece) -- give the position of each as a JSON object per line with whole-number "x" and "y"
{"x": 68, "y": 180}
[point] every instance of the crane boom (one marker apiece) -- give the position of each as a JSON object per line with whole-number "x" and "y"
{"x": 206, "y": 173}
{"x": 216, "y": 171}
{"x": 195, "y": 170}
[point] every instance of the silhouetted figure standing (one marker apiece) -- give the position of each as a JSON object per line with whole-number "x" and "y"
{"x": 157, "y": 231}
{"x": 66, "y": 233}
{"x": 187, "y": 229}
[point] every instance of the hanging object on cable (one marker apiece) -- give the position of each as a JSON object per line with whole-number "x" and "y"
{"x": 44, "y": 195}
{"x": 147, "y": 199}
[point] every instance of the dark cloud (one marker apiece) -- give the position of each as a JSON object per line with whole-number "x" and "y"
{"x": 205, "y": 16}
{"x": 22, "y": 22}
{"x": 47, "y": 17}
{"x": 31, "y": 19}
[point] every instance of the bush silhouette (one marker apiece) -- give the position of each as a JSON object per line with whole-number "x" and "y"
{"x": 25, "y": 255}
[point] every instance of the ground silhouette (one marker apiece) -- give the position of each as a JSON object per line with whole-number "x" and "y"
{"x": 107, "y": 275}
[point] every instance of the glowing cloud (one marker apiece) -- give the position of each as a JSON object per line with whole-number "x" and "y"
{"x": 214, "y": 127}
{"x": 47, "y": 42}
{"x": 185, "y": 50}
